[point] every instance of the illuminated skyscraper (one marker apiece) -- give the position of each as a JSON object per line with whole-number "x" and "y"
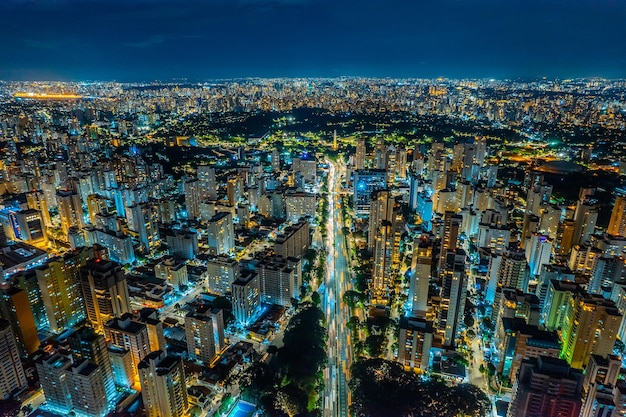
{"x": 163, "y": 386}
{"x": 129, "y": 334}
{"x": 453, "y": 294}
{"x": 221, "y": 233}
{"x": 60, "y": 289}
{"x": 617, "y": 224}
{"x": 208, "y": 182}
{"x": 105, "y": 291}
{"x": 414, "y": 342}
{"x": 590, "y": 327}
{"x": 70, "y": 210}
{"x": 143, "y": 218}
{"x": 421, "y": 268}
{"x": 12, "y": 377}
{"x": 15, "y": 307}
{"x": 193, "y": 197}
{"x": 359, "y": 157}
{"x": 204, "y": 330}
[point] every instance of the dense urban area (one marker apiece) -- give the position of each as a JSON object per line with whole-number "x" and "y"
{"x": 313, "y": 247}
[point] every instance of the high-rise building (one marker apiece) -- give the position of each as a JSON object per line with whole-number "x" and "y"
{"x": 222, "y": 271}
{"x": 15, "y": 308}
{"x": 163, "y": 386}
{"x": 87, "y": 389}
{"x": 307, "y": 166}
{"x": 279, "y": 279}
{"x": 294, "y": 241}
{"x": 617, "y": 224}
{"x": 60, "y": 289}
{"x": 105, "y": 291}
{"x": 421, "y": 269}
{"x": 204, "y": 330}
{"x": 221, "y": 233}
{"x": 183, "y": 244}
{"x": 143, "y": 219}
{"x": 605, "y": 273}
{"x": 122, "y": 367}
{"x": 118, "y": 244}
{"x": 513, "y": 272}
{"x": 156, "y": 335}
{"x": 585, "y": 216}
{"x": 546, "y": 387}
{"x": 599, "y": 384}
{"x": 556, "y": 306}
{"x": 414, "y": 342}
{"x": 129, "y": 334}
{"x": 453, "y": 293}
{"x": 208, "y": 182}
{"x": 12, "y": 376}
{"x": 52, "y": 370}
{"x": 381, "y": 210}
{"x": 246, "y": 296}
{"x": 538, "y": 252}
{"x": 70, "y": 210}
{"x": 365, "y": 183}
{"x": 449, "y": 240}
{"x": 359, "y": 157}
{"x": 192, "y": 191}
{"x": 590, "y": 327}
{"x": 87, "y": 344}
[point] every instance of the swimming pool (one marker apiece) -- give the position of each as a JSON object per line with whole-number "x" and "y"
{"x": 242, "y": 409}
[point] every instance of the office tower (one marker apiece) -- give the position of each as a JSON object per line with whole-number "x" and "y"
{"x": 204, "y": 331}
{"x": 513, "y": 272}
{"x": 279, "y": 279}
{"x": 60, "y": 289}
{"x": 87, "y": 389}
{"x": 12, "y": 376}
{"x": 87, "y": 344}
{"x": 208, "y": 182}
{"x": 221, "y": 233}
{"x": 70, "y": 210}
{"x": 365, "y": 183}
{"x": 192, "y": 191}
{"x": 451, "y": 230}
{"x": 538, "y": 252}
{"x": 546, "y": 387}
{"x": 15, "y": 307}
{"x": 453, "y": 293}
{"x": 294, "y": 240}
{"x": 150, "y": 317}
{"x": 30, "y": 227}
{"x": 143, "y": 219}
{"x": 173, "y": 271}
{"x": 590, "y": 327}
{"x": 105, "y": 291}
{"x": 163, "y": 386}
{"x": 222, "y": 271}
{"x": 599, "y": 383}
{"x": 122, "y": 367}
{"x": 585, "y": 216}
{"x": 52, "y": 370}
{"x": 381, "y": 210}
{"x": 421, "y": 268}
{"x": 129, "y": 334}
{"x": 359, "y": 157}
{"x": 415, "y": 339}
{"x": 245, "y": 296}
{"x": 183, "y": 244}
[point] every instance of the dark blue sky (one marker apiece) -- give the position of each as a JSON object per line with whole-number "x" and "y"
{"x": 136, "y": 40}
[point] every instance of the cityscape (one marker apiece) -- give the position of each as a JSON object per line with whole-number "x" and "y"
{"x": 313, "y": 247}
{"x": 312, "y": 208}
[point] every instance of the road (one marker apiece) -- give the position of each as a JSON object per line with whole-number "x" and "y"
{"x": 337, "y": 281}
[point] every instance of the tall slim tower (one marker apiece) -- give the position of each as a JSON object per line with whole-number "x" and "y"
{"x": 617, "y": 224}
{"x": 70, "y": 210}
{"x": 105, "y": 291}
{"x": 421, "y": 267}
{"x": 453, "y": 294}
{"x": 12, "y": 376}
{"x": 359, "y": 157}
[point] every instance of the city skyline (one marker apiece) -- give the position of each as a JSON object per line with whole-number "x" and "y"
{"x": 163, "y": 39}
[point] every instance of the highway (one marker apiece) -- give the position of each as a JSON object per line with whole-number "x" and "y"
{"x": 337, "y": 281}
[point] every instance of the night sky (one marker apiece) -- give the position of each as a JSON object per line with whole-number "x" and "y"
{"x": 143, "y": 40}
